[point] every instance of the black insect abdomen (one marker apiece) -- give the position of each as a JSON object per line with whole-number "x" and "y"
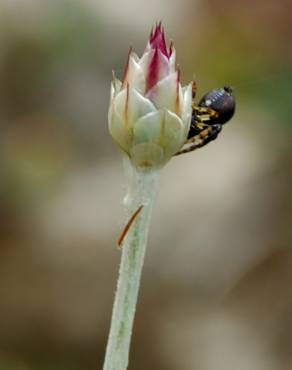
{"x": 221, "y": 101}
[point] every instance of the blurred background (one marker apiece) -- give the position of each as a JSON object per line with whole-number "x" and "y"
{"x": 216, "y": 289}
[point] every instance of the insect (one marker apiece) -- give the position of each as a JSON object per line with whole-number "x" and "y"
{"x": 212, "y": 112}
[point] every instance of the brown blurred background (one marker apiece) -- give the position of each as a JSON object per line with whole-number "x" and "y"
{"x": 216, "y": 283}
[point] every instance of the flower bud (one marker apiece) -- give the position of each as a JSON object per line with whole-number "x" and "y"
{"x": 150, "y": 113}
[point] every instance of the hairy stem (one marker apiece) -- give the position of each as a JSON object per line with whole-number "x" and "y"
{"x": 142, "y": 189}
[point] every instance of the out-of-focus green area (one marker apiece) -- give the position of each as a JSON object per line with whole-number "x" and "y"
{"x": 216, "y": 286}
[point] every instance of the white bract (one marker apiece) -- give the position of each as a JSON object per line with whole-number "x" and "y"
{"x": 150, "y": 113}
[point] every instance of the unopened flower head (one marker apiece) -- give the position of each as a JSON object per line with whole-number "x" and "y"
{"x": 150, "y": 112}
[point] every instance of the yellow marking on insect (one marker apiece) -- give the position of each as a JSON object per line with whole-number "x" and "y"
{"x": 204, "y": 134}
{"x": 205, "y": 117}
{"x": 129, "y": 224}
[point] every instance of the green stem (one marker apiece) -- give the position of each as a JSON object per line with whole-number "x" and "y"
{"x": 142, "y": 189}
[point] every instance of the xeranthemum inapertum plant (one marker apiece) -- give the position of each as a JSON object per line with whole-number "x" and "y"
{"x": 149, "y": 117}
{"x": 150, "y": 112}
